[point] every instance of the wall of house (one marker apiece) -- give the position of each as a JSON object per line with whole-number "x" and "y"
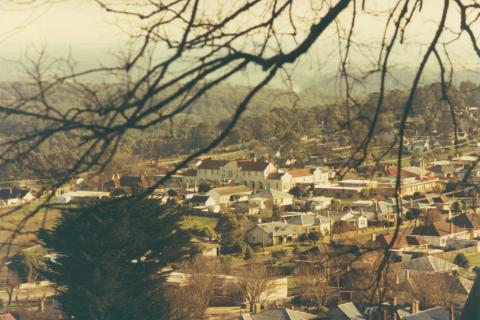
{"x": 258, "y": 236}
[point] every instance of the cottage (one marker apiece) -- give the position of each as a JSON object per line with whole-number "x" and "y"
{"x": 272, "y": 197}
{"x": 272, "y": 233}
{"x": 354, "y": 219}
{"x": 438, "y": 233}
{"x": 205, "y": 246}
{"x": 15, "y": 196}
{"x": 226, "y": 195}
{"x": 309, "y": 222}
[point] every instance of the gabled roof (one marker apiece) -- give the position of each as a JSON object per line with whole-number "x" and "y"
{"x": 253, "y": 165}
{"x": 199, "y": 198}
{"x": 429, "y": 264}
{"x": 401, "y": 241}
{"x": 277, "y": 228}
{"x": 275, "y": 175}
{"x": 345, "y": 311}
{"x": 190, "y": 173}
{"x": 304, "y": 172}
{"x": 471, "y": 221}
{"x": 210, "y": 163}
{"x": 437, "y": 313}
{"x": 280, "y": 314}
{"x": 306, "y": 220}
{"x": 274, "y": 194}
{"x": 438, "y": 229}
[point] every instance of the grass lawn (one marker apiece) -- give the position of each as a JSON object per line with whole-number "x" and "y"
{"x": 18, "y": 227}
{"x": 198, "y": 222}
{"x": 474, "y": 259}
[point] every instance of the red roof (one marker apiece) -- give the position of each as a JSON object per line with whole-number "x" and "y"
{"x": 7, "y": 316}
{"x": 253, "y": 165}
{"x": 300, "y": 172}
{"x": 210, "y": 163}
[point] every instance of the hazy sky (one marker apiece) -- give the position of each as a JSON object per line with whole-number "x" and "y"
{"x": 85, "y": 29}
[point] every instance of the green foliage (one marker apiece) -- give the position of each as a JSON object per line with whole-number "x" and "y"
{"x": 29, "y": 264}
{"x": 278, "y": 254}
{"x": 230, "y": 233}
{"x": 461, "y": 260}
{"x": 110, "y": 259}
{"x": 314, "y": 236}
{"x": 249, "y": 253}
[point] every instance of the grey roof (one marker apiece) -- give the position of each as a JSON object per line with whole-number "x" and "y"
{"x": 345, "y": 311}
{"x": 280, "y": 314}
{"x": 276, "y": 228}
{"x": 305, "y": 220}
{"x": 274, "y": 194}
{"x": 437, "y": 313}
{"x": 430, "y": 264}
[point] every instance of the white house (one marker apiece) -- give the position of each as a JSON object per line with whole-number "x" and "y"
{"x": 225, "y": 195}
{"x": 74, "y": 196}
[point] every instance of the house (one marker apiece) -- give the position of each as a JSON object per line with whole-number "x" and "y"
{"x": 308, "y": 176}
{"x": 249, "y": 209}
{"x": 279, "y": 314}
{"x": 355, "y": 219}
{"x": 250, "y": 172}
{"x": 202, "y": 200}
{"x": 81, "y": 197}
{"x": 470, "y": 222}
{"x": 418, "y": 173}
{"x": 282, "y": 181}
{"x": 427, "y": 264}
{"x": 375, "y": 210}
{"x": 319, "y": 203}
{"x": 205, "y": 247}
{"x": 408, "y": 186}
{"x": 344, "y": 311}
{"x": 309, "y": 222}
{"x": 272, "y": 197}
{"x": 438, "y": 233}
{"x": 272, "y": 233}
{"x": 345, "y": 188}
{"x": 286, "y": 180}
{"x": 16, "y": 196}
{"x": 225, "y": 195}
{"x": 403, "y": 244}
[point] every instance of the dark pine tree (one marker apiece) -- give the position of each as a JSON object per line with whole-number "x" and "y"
{"x": 111, "y": 257}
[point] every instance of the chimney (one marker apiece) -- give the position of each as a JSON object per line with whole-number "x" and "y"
{"x": 451, "y": 227}
{"x": 374, "y": 237}
{"x": 414, "y": 307}
{"x": 451, "y": 312}
{"x": 394, "y": 309}
{"x": 258, "y": 307}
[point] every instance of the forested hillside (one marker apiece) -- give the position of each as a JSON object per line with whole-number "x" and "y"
{"x": 276, "y": 120}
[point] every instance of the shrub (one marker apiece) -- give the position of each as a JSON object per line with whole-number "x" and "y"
{"x": 249, "y": 253}
{"x": 461, "y": 261}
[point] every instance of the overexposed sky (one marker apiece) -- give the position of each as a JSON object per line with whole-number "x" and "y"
{"x": 92, "y": 35}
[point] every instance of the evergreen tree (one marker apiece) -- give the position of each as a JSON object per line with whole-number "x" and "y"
{"x": 111, "y": 257}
